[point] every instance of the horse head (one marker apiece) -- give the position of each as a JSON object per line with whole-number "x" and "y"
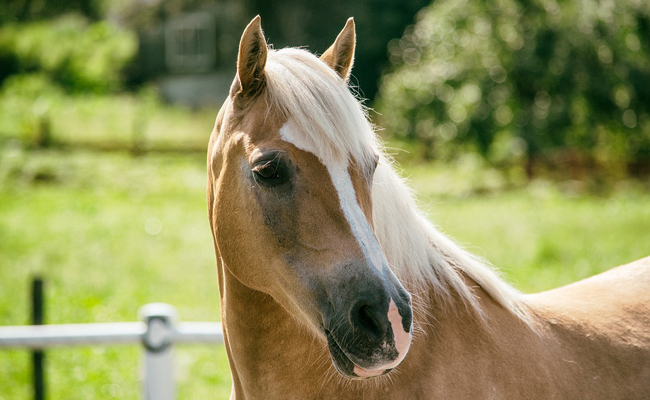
{"x": 291, "y": 161}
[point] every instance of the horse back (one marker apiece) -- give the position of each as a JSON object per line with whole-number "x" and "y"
{"x": 601, "y": 327}
{"x": 615, "y": 302}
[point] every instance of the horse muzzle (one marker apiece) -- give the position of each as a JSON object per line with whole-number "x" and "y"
{"x": 373, "y": 340}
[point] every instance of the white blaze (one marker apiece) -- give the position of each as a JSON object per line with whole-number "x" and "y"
{"x": 338, "y": 170}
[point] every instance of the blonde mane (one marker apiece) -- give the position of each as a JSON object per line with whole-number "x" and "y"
{"x": 319, "y": 103}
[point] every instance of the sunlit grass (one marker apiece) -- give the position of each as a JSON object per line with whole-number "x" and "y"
{"x": 110, "y": 233}
{"x": 541, "y": 239}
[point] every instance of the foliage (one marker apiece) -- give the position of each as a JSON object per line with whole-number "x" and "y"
{"x": 77, "y": 55}
{"x": 30, "y": 10}
{"x": 524, "y": 80}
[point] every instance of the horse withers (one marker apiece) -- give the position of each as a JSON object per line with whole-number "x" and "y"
{"x": 334, "y": 286}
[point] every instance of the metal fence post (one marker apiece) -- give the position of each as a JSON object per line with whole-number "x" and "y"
{"x": 38, "y": 356}
{"x": 158, "y": 381}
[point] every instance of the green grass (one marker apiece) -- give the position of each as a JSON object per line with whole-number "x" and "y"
{"x": 110, "y": 233}
{"x": 114, "y": 121}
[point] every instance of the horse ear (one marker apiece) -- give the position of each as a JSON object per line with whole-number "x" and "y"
{"x": 340, "y": 55}
{"x": 251, "y": 59}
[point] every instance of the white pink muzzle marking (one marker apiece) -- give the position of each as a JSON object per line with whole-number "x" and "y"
{"x": 402, "y": 343}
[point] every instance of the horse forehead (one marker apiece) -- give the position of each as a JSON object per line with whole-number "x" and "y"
{"x": 261, "y": 124}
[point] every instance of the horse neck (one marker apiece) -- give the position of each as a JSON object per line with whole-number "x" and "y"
{"x": 269, "y": 352}
{"x": 272, "y": 356}
{"x": 460, "y": 352}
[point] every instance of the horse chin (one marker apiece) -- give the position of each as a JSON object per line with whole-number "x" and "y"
{"x": 347, "y": 367}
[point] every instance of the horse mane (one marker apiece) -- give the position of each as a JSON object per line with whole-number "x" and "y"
{"x": 320, "y": 105}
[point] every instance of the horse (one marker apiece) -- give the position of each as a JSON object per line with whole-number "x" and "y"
{"x": 333, "y": 285}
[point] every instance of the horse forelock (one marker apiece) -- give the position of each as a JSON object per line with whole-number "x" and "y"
{"x": 319, "y": 106}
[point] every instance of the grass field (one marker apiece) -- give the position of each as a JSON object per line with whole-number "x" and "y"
{"x": 110, "y": 233}
{"x": 30, "y": 107}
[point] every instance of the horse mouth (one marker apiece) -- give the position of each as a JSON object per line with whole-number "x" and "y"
{"x": 347, "y": 367}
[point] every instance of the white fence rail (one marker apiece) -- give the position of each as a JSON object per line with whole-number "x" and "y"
{"x": 158, "y": 332}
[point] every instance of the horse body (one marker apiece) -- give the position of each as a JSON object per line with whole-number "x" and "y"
{"x": 319, "y": 244}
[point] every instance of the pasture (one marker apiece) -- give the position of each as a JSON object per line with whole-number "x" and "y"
{"x": 110, "y": 232}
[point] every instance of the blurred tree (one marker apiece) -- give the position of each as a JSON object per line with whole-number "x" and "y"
{"x": 70, "y": 51}
{"x": 30, "y": 10}
{"x": 534, "y": 80}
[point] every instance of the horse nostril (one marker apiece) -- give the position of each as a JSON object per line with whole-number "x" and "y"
{"x": 367, "y": 319}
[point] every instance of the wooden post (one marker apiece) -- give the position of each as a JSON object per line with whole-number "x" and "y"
{"x": 43, "y": 132}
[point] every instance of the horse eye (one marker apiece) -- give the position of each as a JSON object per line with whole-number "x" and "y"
{"x": 266, "y": 171}
{"x": 272, "y": 170}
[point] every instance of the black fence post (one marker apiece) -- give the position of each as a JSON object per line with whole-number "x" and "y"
{"x": 38, "y": 356}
